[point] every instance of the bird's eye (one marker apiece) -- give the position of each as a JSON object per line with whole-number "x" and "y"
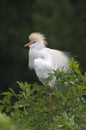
{"x": 33, "y": 41}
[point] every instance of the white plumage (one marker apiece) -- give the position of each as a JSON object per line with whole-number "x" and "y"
{"x": 44, "y": 60}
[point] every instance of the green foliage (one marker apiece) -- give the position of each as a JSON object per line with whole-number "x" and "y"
{"x": 62, "y": 107}
{"x": 5, "y": 122}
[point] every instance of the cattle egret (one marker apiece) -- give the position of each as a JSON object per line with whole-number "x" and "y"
{"x": 44, "y": 60}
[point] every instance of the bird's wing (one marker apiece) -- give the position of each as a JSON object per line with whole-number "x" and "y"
{"x": 43, "y": 65}
{"x": 60, "y": 59}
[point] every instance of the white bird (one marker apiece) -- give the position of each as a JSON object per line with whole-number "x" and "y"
{"x": 44, "y": 60}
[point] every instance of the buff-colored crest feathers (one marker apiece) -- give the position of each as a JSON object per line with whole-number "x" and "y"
{"x": 37, "y": 37}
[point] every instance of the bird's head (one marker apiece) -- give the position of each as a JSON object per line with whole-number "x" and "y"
{"x": 37, "y": 40}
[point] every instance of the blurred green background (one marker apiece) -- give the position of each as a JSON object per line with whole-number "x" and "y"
{"x": 61, "y": 21}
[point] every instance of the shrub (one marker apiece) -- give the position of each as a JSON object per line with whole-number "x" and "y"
{"x": 37, "y": 107}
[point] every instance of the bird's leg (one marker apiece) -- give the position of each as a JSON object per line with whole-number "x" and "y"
{"x": 50, "y": 99}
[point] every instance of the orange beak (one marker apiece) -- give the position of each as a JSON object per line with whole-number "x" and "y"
{"x": 28, "y": 44}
